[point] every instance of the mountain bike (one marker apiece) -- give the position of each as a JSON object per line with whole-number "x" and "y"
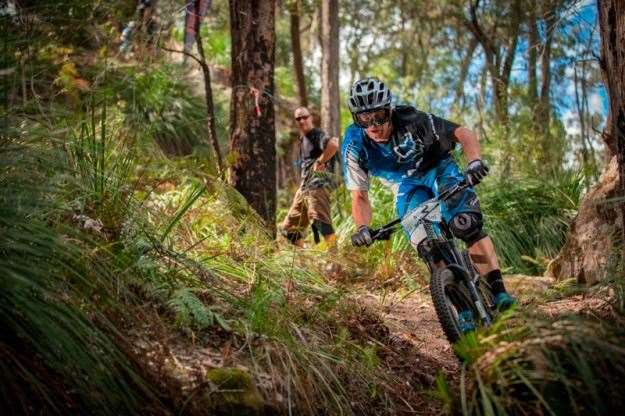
{"x": 462, "y": 301}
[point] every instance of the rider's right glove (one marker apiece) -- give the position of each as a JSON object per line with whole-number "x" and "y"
{"x": 362, "y": 237}
{"x": 476, "y": 171}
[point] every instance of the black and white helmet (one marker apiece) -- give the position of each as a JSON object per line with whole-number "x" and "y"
{"x": 368, "y": 94}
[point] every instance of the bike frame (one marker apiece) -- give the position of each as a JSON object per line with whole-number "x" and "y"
{"x": 443, "y": 245}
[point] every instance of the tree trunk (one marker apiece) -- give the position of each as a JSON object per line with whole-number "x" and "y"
{"x": 581, "y": 113}
{"x": 506, "y": 69}
{"x": 252, "y": 131}
{"x": 612, "y": 28}
{"x": 499, "y": 70}
{"x": 464, "y": 70}
{"x": 208, "y": 94}
{"x": 330, "y": 67}
{"x": 500, "y": 98}
{"x": 298, "y": 65}
{"x": 532, "y": 45}
{"x": 600, "y": 223}
{"x": 543, "y": 110}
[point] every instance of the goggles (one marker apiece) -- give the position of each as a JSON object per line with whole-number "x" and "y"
{"x": 373, "y": 118}
{"x": 300, "y": 118}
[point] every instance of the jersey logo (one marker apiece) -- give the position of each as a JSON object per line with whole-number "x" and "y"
{"x": 408, "y": 149}
{"x": 433, "y": 128}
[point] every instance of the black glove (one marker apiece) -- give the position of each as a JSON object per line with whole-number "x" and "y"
{"x": 476, "y": 171}
{"x": 362, "y": 237}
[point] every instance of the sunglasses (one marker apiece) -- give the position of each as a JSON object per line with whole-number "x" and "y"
{"x": 300, "y": 118}
{"x": 373, "y": 118}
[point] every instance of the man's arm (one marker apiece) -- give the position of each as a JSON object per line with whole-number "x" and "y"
{"x": 476, "y": 169}
{"x": 328, "y": 152}
{"x": 469, "y": 142}
{"x": 361, "y": 208}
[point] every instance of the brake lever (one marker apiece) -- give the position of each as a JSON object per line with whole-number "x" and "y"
{"x": 382, "y": 234}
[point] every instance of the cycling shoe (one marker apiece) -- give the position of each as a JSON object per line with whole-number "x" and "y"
{"x": 504, "y": 301}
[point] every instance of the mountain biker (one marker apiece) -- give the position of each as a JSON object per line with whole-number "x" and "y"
{"x": 410, "y": 150}
{"x": 311, "y": 203}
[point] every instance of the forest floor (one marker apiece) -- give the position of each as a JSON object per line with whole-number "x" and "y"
{"x": 403, "y": 324}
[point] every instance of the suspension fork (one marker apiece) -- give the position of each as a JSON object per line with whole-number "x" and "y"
{"x": 467, "y": 275}
{"x": 481, "y": 309}
{"x": 459, "y": 265}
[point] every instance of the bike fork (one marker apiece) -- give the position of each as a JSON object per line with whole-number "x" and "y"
{"x": 477, "y": 300}
{"x": 484, "y": 316}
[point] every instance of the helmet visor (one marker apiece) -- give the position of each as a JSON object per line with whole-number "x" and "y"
{"x": 373, "y": 118}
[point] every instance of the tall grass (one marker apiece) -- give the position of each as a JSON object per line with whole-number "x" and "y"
{"x": 574, "y": 365}
{"x": 160, "y": 104}
{"x": 532, "y": 363}
{"x": 528, "y": 218}
{"x": 308, "y": 368}
{"x": 61, "y": 353}
{"x": 97, "y": 227}
{"x": 91, "y": 230}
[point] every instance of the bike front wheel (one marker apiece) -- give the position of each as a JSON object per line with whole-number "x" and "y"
{"x": 452, "y": 302}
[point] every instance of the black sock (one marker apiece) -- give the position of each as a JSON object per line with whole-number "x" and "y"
{"x": 495, "y": 281}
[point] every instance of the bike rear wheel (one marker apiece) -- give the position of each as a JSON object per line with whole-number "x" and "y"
{"x": 450, "y": 297}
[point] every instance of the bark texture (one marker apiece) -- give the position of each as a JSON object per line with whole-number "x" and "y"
{"x": 252, "y": 132}
{"x": 298, "y": 65}
{"x": 330, "y": 67}
{"x": 612, "y": 29}
{"x": 587, "y": 252}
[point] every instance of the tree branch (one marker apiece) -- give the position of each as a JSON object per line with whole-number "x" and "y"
{"x": 474, "y": 26}
{"x": 514, "y": 38}
{"x": 464, "y": 68}
{"x": 190, "y": 55}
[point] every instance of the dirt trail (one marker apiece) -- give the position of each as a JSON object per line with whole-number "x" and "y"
{"x": 413, "y": 319}
{"x": 411, "y": 344}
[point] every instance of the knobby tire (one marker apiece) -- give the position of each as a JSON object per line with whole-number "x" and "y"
{"x": 443, "y": 279}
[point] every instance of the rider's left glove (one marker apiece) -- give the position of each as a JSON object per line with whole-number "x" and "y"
{"x": 476, "y": 171}
{"x": 362, "y": 237}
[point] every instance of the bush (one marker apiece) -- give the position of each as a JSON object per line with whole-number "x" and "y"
{"x": 528, "y": 218}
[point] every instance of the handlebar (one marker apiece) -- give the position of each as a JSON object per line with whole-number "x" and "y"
{"x": 385, "y": 231}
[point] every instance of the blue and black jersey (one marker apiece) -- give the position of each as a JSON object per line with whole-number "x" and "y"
{"x": 419, "y": 141}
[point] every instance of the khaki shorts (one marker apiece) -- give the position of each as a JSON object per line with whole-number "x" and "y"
{"x": 308, "y": 205}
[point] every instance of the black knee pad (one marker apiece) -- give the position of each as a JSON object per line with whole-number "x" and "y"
{"x": 324, "y": 228}
{"x": 466, "y": 198}
{"x": 290, "y": 235}
{"x": 467, "y": 226}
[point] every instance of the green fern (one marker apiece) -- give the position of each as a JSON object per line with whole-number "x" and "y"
{"x": 191, "y": 312}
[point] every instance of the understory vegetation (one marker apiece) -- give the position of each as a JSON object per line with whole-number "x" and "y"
{"x": 534, "y": 363}
{"x": 97, "y": 246}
